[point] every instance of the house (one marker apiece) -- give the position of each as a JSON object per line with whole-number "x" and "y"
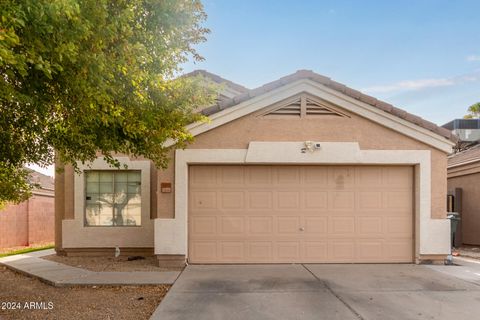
{"x": 302, "y": 169}
{"x": 32, "y": 221}
{"x": 467, "y": 131}
{"x": 463, "y": 174}
{"x": 464, "y": 183}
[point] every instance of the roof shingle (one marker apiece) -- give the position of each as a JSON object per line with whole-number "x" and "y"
{"x": 217, "y": 79}
{"x": 464, "y": 157}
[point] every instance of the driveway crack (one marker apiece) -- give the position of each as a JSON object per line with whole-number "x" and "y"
{"x": 345, "y": 303}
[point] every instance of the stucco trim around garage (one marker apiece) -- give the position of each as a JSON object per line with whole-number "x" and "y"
{"x": 337, "y": 98}
{"x": 76, "y": 235}
{"x": 432, "y": 235}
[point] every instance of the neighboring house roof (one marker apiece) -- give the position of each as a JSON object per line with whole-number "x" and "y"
{"x": 327, "y": 82}
{"x": 46, "y": 183}
{"x": 468, "y": 156}
{"x": 217, "y": 79}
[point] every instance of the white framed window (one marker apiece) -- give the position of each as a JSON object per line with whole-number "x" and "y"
{"x": 113, "y": 198}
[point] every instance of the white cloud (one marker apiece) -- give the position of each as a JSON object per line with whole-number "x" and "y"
{"x": 410, "y": 85}
{"x": 421, "y": 84}
{"x": 473, "y": 57}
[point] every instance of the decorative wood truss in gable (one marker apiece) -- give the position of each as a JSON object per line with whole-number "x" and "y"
{"x": 301, "y": 106}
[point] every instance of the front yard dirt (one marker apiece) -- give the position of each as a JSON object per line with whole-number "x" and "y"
{"x": 99, "y": 264}
{"x": 33, "y": 299}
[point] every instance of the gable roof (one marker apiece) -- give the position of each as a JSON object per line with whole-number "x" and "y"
{"x": 464, "y": 157}
{"x": 327, "y": 82}
{"x": 217, "y": 79}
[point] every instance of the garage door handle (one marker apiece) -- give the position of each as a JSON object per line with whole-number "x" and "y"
{"x": 302, "y": 229}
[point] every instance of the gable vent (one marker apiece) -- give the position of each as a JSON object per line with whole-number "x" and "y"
{"x": 292, "y": 109}
{"x": 301, "y": 106}
{"x": 314, "y": 108}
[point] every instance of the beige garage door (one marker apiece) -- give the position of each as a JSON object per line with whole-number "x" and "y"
{"x": 284, "y": 214}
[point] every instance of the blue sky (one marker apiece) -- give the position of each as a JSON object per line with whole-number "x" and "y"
{"x": 422, "y": 56}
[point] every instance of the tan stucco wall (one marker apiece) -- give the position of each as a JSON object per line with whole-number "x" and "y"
{"x": 237, "y": 135}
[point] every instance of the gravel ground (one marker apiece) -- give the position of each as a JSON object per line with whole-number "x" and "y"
{"x": 110, "y": 263}
{"x": 468, "y": 251}
{"x": 127, "y": 302}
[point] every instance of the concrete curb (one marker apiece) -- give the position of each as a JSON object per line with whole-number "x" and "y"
{"x": 60, "y": 275}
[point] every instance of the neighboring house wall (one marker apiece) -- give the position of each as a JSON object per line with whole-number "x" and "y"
{"x": 467, "y": 178}
{"x": 27, "y": 223}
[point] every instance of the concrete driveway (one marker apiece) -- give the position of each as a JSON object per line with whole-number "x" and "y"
{"x": 320, "y": 292}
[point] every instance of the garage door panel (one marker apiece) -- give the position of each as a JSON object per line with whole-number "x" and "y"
{"x": 400, "y": 177}
{"x": 288, "y": 251}
{"x": 316, "y": 200}
{"x": 341, "y": 200}
{"x": 288, "y": 200}
{"x": 372, "y": 226}
{"x": 341, "y": 226}
{"x": 398, "y": 200}
{"x": 232, "y": 176}
{"x": 203, "y": 251}
{"x": 260, "y": 251}
{"x": 316, "y": 177}
{"x": 260, "y": 225}
{"x": 287, "y": 214}
{"x": 315, "y": 251}
{"x": 369, "y": 251}
{"x": 261, "y": 200}
{"x": 341, "y": 178}
{"x": 232, "y": 225}
{"x": 370, "y": 177}
{"x": 232, "y": 251}
{"x": 369, "y": 200}
{"x": 399, "y": 226}
{"x": 232, "y": 200}
{"x": 203, "y": 176}
{"x": 204, "y": 225}
{"x": 316, "y": 226}
{"x": 258, "y": 176}
{"x": 286, "y": 177}
{"x": 341, "y": 251}
{"x": 288, "y": 225}
{"x": 203, "y": 200}
{"x": 399, "y": 250}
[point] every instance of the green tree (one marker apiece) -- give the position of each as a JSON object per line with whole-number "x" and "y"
{"x": 87, "y": 76}
{"x": 473, "y": 111}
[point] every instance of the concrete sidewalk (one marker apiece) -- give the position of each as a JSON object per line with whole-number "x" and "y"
{"x": 60, "y": 275}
